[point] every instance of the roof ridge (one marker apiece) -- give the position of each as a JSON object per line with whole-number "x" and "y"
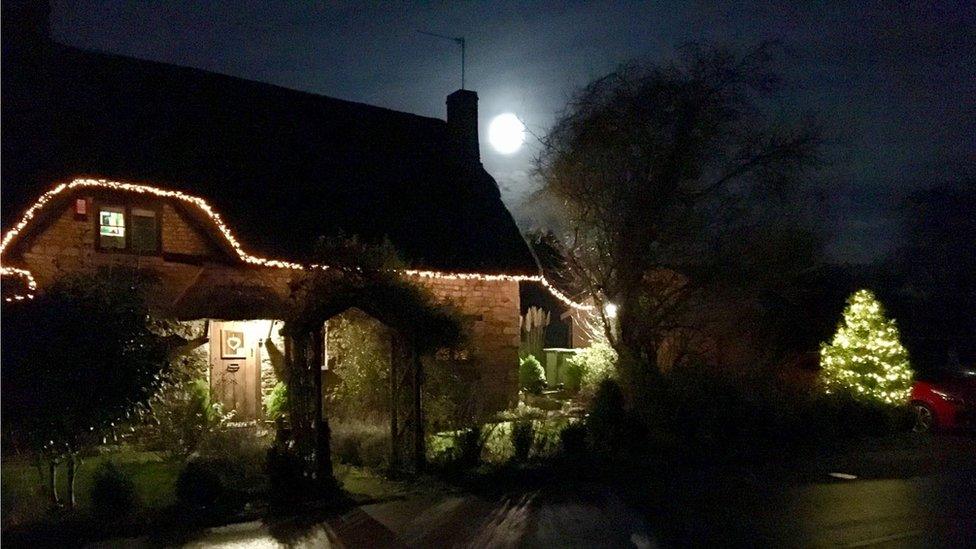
{"x": 268, "y": 86}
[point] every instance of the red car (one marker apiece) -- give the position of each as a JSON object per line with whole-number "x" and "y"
{"x": 944, "y": 401}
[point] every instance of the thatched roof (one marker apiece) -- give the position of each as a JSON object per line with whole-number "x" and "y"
{"x": 223, "y": 301}
{"x": 282, "y": 167}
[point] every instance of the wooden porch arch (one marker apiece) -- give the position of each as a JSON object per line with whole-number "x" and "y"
{"x": 419, "y": 326}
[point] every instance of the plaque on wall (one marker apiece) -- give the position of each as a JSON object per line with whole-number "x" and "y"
{"x": 232, "y": 344}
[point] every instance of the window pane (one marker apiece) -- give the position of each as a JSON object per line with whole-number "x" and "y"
{"x": 111, "y": 227}
{"x": 144, "y": 232}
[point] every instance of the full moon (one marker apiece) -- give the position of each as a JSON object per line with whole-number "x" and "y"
{"x": 506, "y": 133}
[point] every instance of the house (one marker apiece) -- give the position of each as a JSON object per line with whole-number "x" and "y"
{"x": 222, "y": 187}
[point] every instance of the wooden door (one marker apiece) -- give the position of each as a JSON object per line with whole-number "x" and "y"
{"x": 235, "y": 371}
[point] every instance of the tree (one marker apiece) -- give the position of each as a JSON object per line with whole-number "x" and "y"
{"x": 672, "y": 178}
{"x": 866, "y": 360}
{"x": 78, "y": 359}
{"x": 932, "y": 274}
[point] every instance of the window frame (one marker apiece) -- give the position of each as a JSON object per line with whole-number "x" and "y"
{"x": 126, "y": 206}
{"x": 98, "y": 227}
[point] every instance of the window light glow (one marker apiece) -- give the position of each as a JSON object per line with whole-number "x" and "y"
{"x": 112, "y": 223}
{"x": 225, "y": 231}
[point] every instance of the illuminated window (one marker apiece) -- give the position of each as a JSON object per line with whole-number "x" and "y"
{"x": 111, "y": 227}
{"x": 144, "y": 233}
{"x": 128, "y": 228}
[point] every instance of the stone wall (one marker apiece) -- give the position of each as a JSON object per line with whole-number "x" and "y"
{"x": 182, "y": 238}
{"x": 67, "y": 245}
{"x": 491, "y": 309}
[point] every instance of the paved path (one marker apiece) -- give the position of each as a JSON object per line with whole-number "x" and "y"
{"x": 919, "y": 512}
{"x": 598, "y": 519}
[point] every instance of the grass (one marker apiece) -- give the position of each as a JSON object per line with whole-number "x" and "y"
{"x": 365, "y": 485}
{"x": 24, "y": 485}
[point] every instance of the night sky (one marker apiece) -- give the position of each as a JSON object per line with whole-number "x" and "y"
{"x": 894, "y": 85}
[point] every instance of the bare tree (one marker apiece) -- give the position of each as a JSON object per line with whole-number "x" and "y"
{"x": 669, "y": 177}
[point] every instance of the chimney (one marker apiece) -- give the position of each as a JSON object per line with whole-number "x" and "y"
{"x": 462, "y": 124}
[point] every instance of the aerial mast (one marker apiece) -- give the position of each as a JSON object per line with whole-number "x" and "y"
{"x": 459, "y": 40}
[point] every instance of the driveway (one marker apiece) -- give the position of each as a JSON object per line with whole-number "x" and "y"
{"x": 918, "y": 512}
{"x": 916, "y": 492}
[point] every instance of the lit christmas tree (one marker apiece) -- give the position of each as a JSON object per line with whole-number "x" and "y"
{"x": 865, "y": 359}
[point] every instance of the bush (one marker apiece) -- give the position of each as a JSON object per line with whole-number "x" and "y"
{"x": 547, "y": 435}
{"x": 245, "y": 449}
{"x": 185, "y": 415}
{"x": 360, "y": 347}
{"x": 572, "y": 440}
{"x": 276, "y": 403}
{"x": 841, "y": 415}
{"x": 469, "y": 446}
{"x": 532, "y": 377}
{"x": 285, "y": 473}
{"x": 229, "y": 465}
{"x": 451, "y": 397}
{"x": 360, "y": 443}
{"x": 589, "y": 367}
{"x": 201, "y": 484}
{"x": 113, "y": 495}
{"x": 607, "y": 421}
{"x": 523, "y": 436}
{"x": 723, "y": 416}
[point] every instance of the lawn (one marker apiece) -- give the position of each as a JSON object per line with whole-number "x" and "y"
{"x": 24, "y": 485}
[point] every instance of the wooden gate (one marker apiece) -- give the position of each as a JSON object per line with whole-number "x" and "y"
{"x": 407, "y": 452}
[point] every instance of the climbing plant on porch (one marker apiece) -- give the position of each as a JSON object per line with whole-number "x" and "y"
{"x": 366, "y": 277}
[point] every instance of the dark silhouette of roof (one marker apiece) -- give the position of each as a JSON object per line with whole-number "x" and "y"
{"x": 282, "y": 167}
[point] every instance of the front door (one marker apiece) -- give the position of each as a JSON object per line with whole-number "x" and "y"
{"x": 235, "y": 373}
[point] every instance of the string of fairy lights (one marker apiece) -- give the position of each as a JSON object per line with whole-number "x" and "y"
{"x": 866, "y": 358}
{"x": 225, "y": 231}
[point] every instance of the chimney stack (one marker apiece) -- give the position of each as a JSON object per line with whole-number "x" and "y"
{"x": 462, "y": 124}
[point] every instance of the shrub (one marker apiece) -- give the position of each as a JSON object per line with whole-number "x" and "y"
{"x": 469, "y": 446}
{"x": 200, "y": 484}
{"x": 842, "y": 415}
{"x": 276, "y": 403}
{"x": 451, "y": 397}
{"x": 360, "y": 443}
{"x": 245, "y": 450}
{"x": 360, "y": 347}
{"x": 547, "y": 435}
{"x": 523, "y": 435}
{"x": 185, "y": 414}
{"x": 607, "y": 422}
{"x": 719, "y": 415}
{"x": 532, "y": 377}
{"x": 572, "y": 440}
{"x": 589, "y": 367}
{"x": 285, "y": 473}
{"x": 113, "y": 495}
